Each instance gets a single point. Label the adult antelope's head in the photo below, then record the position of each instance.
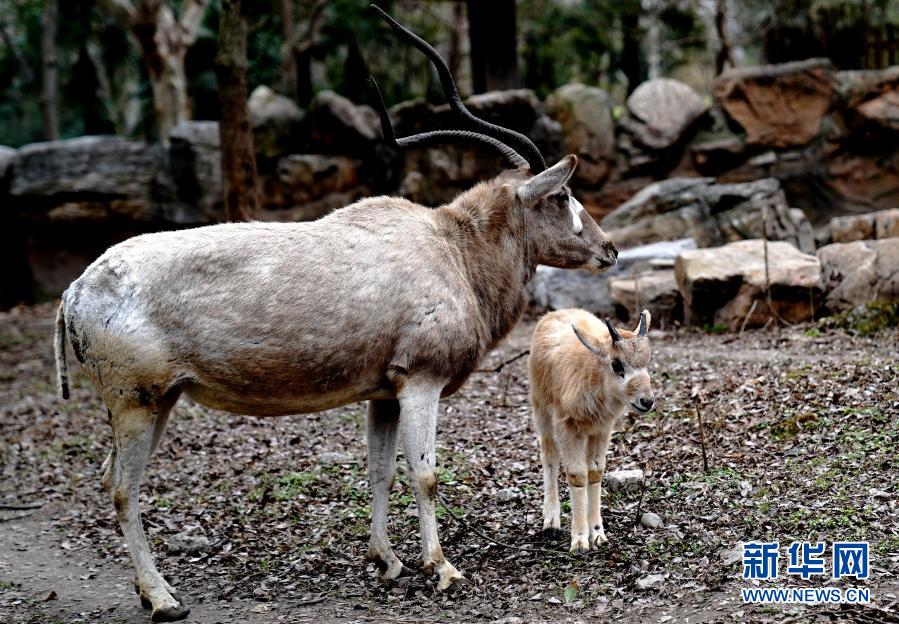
(563, 234)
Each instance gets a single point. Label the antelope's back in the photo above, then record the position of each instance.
(254, 307)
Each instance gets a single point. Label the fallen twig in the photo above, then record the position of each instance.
(640, 500)
(755, 302)
(502, 365)
(20, 506)
(705, 459)
(478, 532)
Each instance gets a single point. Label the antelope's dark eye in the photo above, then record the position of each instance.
(618, 368)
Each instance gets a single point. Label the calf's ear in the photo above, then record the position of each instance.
(547, 182)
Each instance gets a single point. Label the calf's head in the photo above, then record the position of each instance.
(626, 376)
(563, 233)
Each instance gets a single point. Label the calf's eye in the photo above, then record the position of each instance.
(618, 368)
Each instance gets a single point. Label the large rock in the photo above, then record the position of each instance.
(307, 186)
(660, 118)
(335, 125)
(436, 174)
(873, 225)
(196, 171)
(588, 130)
(518, 109)
(727, 285)
(662, 110)
(556, 289)
(712, 214)
(94, 176)
(862, 182)
(871, 98)
(860, 272)
(7, 154)
(778, 106)
(655, 290)
(275, 120)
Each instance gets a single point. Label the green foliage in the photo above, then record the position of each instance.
(568, 43)
(866, 320)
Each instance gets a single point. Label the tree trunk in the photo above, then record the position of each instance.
(723, 56)
(50, 94)
(164, 42)
(164, 50)
(288, 67)
(630, 47)
(302, 63)
(235, 132)
(494, 53)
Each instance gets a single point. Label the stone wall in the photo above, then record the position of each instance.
(812, 142)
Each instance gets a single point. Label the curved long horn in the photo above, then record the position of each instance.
(516, 140)
(612, 331)
(438, 136)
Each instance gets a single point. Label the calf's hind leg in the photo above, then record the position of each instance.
(136, 430)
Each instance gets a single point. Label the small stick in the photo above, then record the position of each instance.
(506, 389)
(771, 310)
(501, 366)
(705, 459)
(468, 527)
(755, 302)
(21, 506)
(642, 491)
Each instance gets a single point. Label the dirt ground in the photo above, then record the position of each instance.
(801, 433)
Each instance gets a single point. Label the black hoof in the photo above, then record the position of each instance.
(170, 614)
(145, 602)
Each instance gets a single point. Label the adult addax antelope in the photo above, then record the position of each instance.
(383, 301)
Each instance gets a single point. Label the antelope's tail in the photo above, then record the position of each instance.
(59, 344)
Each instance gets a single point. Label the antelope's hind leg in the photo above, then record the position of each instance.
(136, 431)
(418, 426)
(383, 423)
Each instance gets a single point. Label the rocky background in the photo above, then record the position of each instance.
(775, 197)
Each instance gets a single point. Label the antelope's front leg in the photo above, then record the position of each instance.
(383, 420)
(596, 457)
(575, 450)
(418, 427)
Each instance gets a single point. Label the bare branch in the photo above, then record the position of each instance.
(190, 20)
(304, 41)
(122, 11)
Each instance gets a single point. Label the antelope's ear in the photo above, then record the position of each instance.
(587, 342)
(548, 182)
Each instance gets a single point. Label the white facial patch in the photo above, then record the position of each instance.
(575, 207)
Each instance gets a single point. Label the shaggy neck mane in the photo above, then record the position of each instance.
(496, 254)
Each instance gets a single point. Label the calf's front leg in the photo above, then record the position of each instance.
(418, 428)
(574, 452)
(597, 446)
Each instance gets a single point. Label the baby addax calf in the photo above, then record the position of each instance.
(584, 374)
